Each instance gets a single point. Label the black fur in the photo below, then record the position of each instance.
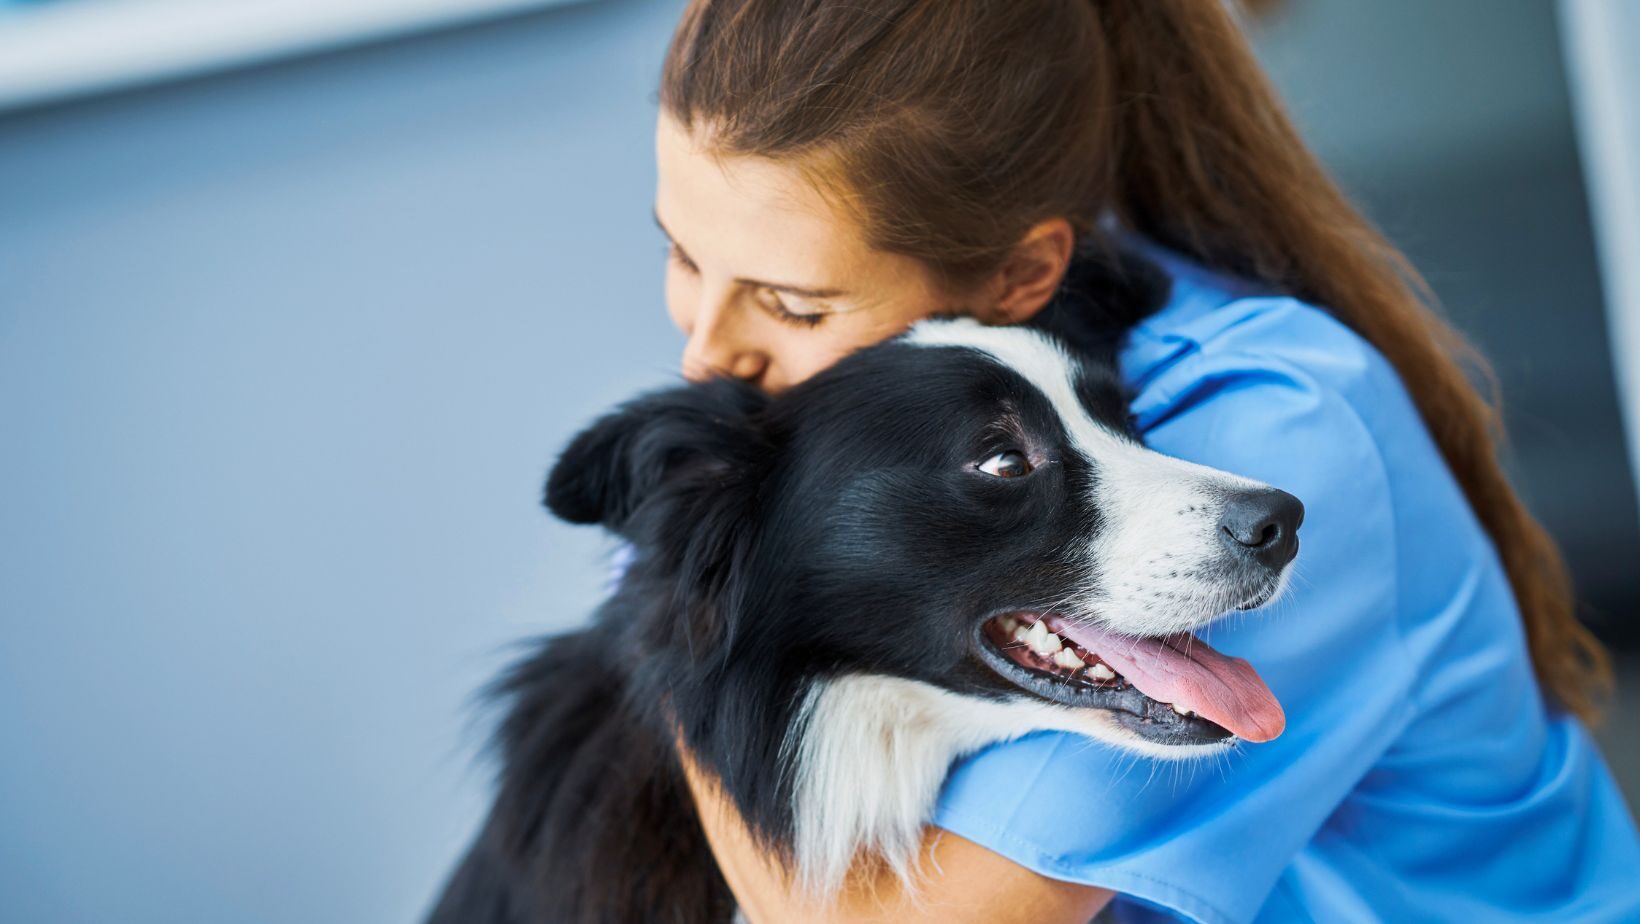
(778, 540)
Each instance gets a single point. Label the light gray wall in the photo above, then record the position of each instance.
(284, 356)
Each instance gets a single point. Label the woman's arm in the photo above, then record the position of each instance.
(959, 880)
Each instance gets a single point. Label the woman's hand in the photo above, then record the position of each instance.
(959, 882)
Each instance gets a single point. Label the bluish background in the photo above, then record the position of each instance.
(285, 354)
(284, 357)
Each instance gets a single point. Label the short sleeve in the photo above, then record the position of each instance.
(1209, 839)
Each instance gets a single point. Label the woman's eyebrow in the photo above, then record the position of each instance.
(775, 286)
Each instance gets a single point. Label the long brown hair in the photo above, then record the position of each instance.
(948, 128)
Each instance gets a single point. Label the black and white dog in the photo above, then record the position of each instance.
(945, 540)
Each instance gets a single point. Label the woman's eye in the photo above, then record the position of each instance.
(677, 256)
(771, 304)
(778, 308)
(1009, 464)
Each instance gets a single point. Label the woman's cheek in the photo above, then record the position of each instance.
(805, 356)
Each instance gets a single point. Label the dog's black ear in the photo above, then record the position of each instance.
(613, 466)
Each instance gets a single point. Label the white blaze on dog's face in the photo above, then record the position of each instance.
(1161, 560)
(1174, 546)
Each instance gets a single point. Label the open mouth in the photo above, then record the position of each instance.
(1171, 690)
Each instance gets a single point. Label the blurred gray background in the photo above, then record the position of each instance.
(285, 352)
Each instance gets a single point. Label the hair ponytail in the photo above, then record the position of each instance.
(949, 128)
(1211, 165)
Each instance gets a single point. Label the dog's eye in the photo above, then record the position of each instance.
(1009, 464)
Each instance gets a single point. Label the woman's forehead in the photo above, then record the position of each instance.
(754, 217)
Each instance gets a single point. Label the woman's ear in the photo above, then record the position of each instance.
(613, 466)
(1109, 288)
(1027, 280)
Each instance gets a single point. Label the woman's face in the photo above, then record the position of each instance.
(769, 283)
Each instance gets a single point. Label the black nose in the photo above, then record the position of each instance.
(1264, 525)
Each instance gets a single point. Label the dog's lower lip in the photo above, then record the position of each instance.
(1258, 599)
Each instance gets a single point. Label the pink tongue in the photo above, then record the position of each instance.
(1182, 670)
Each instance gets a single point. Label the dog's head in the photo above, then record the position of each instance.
(967, 506)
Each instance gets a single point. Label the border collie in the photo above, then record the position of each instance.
(945, 540)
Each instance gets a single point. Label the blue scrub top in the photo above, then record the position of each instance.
(1420, 777)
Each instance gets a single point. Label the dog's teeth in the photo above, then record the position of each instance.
(1181, 711)
(1021, 633)
(1067, 659)
(1041, 640)
(1102, 672)
(1036, 636)
(1009, 624)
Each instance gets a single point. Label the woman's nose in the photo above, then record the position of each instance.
(717, 347)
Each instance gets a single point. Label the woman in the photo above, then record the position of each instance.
(830, 172)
